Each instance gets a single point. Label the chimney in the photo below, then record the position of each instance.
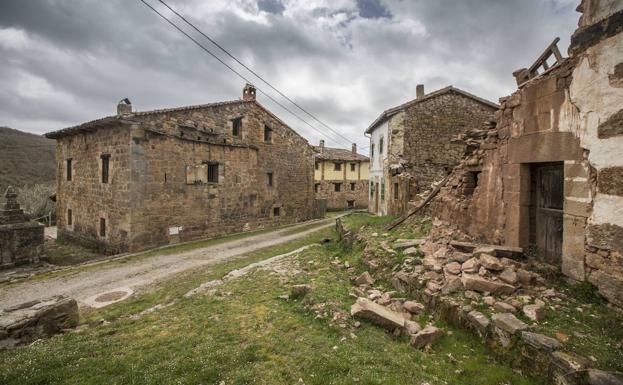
(248, 93)
(419, 90)
(321, 146)
(124, 107)
(354, 148)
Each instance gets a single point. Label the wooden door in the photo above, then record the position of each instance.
(549, 209)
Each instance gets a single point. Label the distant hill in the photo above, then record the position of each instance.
(25, 159)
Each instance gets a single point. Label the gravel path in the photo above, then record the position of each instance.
(83, 285)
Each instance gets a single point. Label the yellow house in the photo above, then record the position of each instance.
(341, 177)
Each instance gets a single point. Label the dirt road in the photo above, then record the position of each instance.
(137, 273)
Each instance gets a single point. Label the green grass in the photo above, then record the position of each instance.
(246, 335)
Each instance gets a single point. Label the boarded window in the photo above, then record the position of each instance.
(337, 187)
(268, 134)
(317, 187)
(353, 167)
(212, 172)
(102, 227)
(276, 211)
(70, 218)
(69, 169)
(269, 179)
(105, 167)
(337, 166)
(352, 186)
(396, 191)
(236, 127)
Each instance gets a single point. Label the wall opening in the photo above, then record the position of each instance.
(351, 204)
(102, 227)
(546, 210)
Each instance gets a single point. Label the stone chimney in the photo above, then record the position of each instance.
(354, 148)
(124, 107)
(11, 212)
(321, 146)
(248, 93)
(419, 90)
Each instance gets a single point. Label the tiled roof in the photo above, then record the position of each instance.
(392, 111)
(338, 154)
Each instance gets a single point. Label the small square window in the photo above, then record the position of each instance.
(236, 126)
(353, 186)
(269, 179)
(317, 188)
(102, 227)
(351, 204)
(69, 169)
(337, 187)
(276, 211)
(268, 134)
(70, 217)
(212, 172)
(353, 167)
(337, 166)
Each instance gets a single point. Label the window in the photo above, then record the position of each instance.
(372, 150)
(352, 186)
(317, 187)
(371, 189)
(337, 166)
(396, 191)
(102, 227)
(317, 165)
(381, 146)
(70, 218)
(351, 204)
(69, 169)
(269, 177)
(105, 167)
(276, 211)
(353, 167)
(212, 172)
(337, 187)
(268, 134)
(383, 191)
(236, 126)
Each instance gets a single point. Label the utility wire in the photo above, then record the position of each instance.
(254, 73)
(229, 67)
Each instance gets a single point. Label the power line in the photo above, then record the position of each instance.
(254, 73)
(230, 68)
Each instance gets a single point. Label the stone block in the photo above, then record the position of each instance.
(540, 341)
(426, 336)
(574, 229)
(606, 236)
(610, 181)
(479, 321)
(377, 314)
(480, 284)
(508, 322)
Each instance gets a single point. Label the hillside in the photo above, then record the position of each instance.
(25, 159)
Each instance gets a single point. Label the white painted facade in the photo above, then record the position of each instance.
(378, 163)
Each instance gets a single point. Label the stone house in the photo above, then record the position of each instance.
(549, 172)
(137, 180)
(341, 177)
(411, 145)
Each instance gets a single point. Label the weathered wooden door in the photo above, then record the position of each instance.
(549, 208)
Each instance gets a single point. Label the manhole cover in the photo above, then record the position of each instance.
(112, 296)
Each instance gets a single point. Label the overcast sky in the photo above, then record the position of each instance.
(63, 62)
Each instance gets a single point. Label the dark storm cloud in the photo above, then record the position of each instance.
(66, 61)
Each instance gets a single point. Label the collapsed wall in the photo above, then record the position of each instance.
(547, 175)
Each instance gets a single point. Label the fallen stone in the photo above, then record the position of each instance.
(431, 263)
(534, 312)
(488, 300)
(470, 266)
(364, 279)
(509, 276)
(413, 307)
(508, 322)
(484, 250)
(471, 295)
(600, 377)
(453, 268)
(402, 244)
(459, 257)
(568, 368)
(525, 277)
(377, 314)
(452, 285)
(499, 251)
(298, 291)
(540, 341)
(478, 320)
(411, 251)
(490, 262)
(480, 284)
(426, 336)
(504, 307)
(412, 327)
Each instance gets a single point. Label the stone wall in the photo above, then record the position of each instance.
(340, 200)
(21, 240)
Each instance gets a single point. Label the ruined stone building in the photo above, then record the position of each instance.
(142, 179)
(341, 177)
(547, 175)
(411, 145)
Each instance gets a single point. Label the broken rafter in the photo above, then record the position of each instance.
(523, 75)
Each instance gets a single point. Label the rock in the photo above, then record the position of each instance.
(540, 341)
(508, 322)
(411, 251)
(600, 377)
(504, 307)
(562, 337)
(431, 263)
(402, 244)
(377, 314)
(477, 283)
(568, 368)
(426, 336)
(516, 304)
(471, 295)
(509, 276)
(453, 268)
(412, 327)
(459, 257)
(433, 286)
(525, 277)
(488, 300)
(534, 312)
(413, 307)
(478, 321)
(490, 262)
(482, 250)
(483, 272)
(452, 284)
(364, 279)
(470, 266)
(298, 291)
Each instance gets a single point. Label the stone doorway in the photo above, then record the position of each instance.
(547, 197)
